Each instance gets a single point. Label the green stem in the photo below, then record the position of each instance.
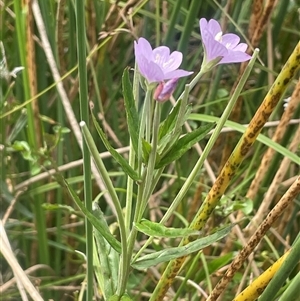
(145, 124)
(145, 187)
(152, 158)
(39, 213)
(84, 114)
(129, 193)
(148, 114)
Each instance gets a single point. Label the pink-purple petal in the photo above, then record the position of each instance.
(214, 27)
(214, 50)
(230, 40)
(204, 30)
(177, 74)
(161, 55)
(235, 57)
(153, 73)
(145, 48)
(241, 47)
(173, 62)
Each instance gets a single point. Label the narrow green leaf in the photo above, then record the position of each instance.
(146, 146)
(184, 144)
(107, 269)
(123, 163)
(98, 224)
(241, 128)
(168, 134)
(131, 110)
(55, 207)
(169, 123)
(149, 260)
(158, 230)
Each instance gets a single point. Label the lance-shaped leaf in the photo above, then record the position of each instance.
(123, 163)
(97, 223)
(171, 128)
(106, 259)
(131, 111)
(184, 144)
(158, 230)
(155, 258)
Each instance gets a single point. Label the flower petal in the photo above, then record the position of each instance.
(173, 62)
(151, 71)
(230, 40)
(203, 30)
(161, 55)
(144, 47)
(235, 57)
(177, 74)
(214, 27)
(215, 49)
(241, 47)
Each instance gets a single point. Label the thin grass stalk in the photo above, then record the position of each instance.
(171, 28)
(272, 217)
(31, 134)
(84, 114)
(189, 26)
(22, 51)
(236, 158)
(59, 50)
(157, 22)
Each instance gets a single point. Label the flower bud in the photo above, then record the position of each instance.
(164, 90)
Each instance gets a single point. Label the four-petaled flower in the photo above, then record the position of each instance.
(219, 48)
(158, 64)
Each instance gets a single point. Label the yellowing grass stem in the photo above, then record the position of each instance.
(253, 291)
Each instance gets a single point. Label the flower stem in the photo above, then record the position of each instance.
(152, 158)
(145, 124)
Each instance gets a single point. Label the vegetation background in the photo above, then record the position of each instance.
(45, 229)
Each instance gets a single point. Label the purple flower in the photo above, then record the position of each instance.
(158, 64)
(222, 49)
(164, 90)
